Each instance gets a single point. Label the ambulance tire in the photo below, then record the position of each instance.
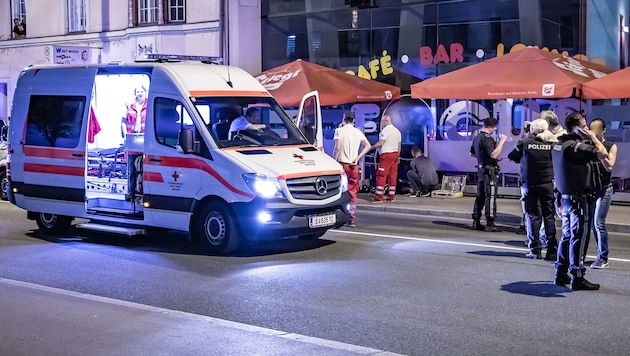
(4, 184)
(52, 224)
(216, 228)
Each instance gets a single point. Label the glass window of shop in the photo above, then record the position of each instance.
(419, 39)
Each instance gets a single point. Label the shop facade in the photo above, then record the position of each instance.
(404, 42)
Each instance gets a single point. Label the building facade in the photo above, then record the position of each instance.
(95, 31)
(421, 39)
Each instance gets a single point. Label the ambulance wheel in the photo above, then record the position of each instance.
(215, 227)
(52, 224)
(4, 185)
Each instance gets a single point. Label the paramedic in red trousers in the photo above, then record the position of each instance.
(348, 140)
(389, 142)
(487, 151)
(573, 159)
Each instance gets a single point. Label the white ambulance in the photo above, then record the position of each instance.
(183, 145)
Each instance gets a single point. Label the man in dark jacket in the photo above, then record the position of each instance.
(573, 159)
(534, 155)
(422, 175)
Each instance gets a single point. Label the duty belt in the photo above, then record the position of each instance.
(487, 166)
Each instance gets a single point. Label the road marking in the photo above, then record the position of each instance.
(330, 344)
(450, 242)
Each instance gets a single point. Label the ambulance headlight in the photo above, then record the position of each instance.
(344, 182)
(263, 186)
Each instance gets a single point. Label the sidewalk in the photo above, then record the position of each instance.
(39, 320)
(508, 209)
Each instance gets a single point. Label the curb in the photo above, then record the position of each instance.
(501, 218)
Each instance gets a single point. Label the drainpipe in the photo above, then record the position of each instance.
(224, 28)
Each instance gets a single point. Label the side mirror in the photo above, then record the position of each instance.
(186, 141)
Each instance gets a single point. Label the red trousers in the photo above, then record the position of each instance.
(352, 171)
(387, 172)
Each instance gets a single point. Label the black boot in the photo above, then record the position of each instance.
(491, 227)
(476, 225)
(580, 283)
(561, 279)
(552, 253)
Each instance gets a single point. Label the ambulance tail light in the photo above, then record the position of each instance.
(263, 186)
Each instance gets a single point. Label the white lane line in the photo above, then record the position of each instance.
(330, 344)
(450, 242)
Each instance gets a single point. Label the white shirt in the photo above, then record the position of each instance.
(240, 123)
(351, 139)
(392, 138)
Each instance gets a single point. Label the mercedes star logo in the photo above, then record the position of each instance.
(321, 186)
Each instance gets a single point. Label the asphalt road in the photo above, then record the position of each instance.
(400, 283)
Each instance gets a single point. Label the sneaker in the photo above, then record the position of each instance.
(535, 255)
(599, 264)
(352, 223)
(414, 194)
(426, 194)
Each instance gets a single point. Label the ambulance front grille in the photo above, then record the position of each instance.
(306, 188)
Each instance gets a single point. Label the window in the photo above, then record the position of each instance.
(278, 131)
(76, 15)
(147, 11)
(176, 11)
(19, 18)
(54, 121)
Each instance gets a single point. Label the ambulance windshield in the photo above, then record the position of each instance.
(247, 122)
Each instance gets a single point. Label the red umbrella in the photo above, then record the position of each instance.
(528, 73)
(614, 85)
(288, 83)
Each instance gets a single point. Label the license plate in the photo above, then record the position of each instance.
(322, 220)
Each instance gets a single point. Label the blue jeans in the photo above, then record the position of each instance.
(599, 222)
(575, 233)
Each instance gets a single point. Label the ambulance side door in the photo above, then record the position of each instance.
(49, 128)
(171, 178)
(309, 119)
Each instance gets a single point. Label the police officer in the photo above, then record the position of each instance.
(534, 155)
(486, 150)
(572, 159)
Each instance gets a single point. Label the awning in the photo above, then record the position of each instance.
(288, 83)
(528, 73)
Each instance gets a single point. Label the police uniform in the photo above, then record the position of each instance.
(572, 164)
(534, 156)
(487, 172)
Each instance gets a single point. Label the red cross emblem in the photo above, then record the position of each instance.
(295, 155)
(175, 176)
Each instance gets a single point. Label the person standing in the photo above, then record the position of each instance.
(487, 152)
(136, 111)
(348, 140)
(533, 153)
(604, 195)
(554, 124)
(421, 175)
(389, 145)
(573, 159)
(19, 29)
